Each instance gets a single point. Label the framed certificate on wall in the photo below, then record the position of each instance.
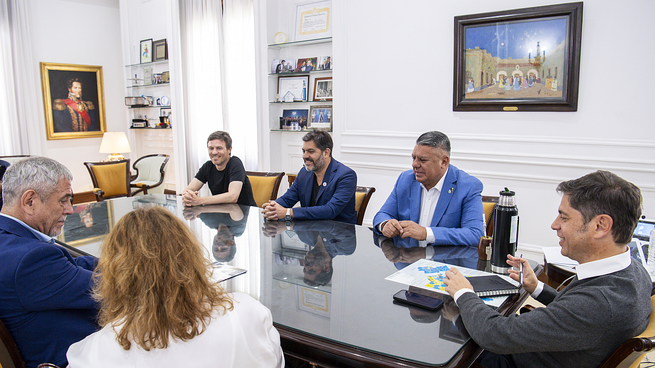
(313, 20)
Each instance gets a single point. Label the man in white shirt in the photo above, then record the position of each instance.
(435, 203)
(607, 303)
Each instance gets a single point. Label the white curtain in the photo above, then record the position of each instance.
(240, 87)
(218, 77)
(201, 44)
(18, 83)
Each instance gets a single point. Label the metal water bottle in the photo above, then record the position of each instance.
(505, 235)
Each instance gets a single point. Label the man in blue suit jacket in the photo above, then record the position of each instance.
(45, 300)
(435, 203)
(325, 187)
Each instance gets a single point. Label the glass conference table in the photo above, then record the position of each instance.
(323, 281)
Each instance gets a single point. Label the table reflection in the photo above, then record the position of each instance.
(228, 220)
(323, 281)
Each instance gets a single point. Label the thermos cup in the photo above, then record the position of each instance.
(505, 234)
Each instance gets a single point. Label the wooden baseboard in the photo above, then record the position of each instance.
(83, 197)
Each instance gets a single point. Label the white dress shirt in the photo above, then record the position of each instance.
(429, 199)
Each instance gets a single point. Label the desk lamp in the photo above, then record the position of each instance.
(113, 142)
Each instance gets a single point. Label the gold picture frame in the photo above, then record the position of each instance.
(73, 100)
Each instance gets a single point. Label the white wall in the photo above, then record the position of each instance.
(394, 80)
(83, 32)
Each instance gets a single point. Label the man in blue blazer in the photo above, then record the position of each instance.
(45, 299)
(324, 186)
(435, 203)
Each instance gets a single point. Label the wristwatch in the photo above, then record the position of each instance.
(288, 216)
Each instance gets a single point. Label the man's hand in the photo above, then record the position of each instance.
(190, 198)
(390, 250)
(391, 228)
(455, 281)
(530, 280)
(273, 211)
(413, 230)
(272, 228)
(411, 255)
(191, 213)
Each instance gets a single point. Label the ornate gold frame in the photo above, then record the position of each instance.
(90, 73)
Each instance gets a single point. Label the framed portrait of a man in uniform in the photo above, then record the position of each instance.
(73, 100)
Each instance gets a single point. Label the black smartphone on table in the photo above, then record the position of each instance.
(418, 300)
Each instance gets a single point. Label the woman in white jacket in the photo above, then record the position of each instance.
(159, 307)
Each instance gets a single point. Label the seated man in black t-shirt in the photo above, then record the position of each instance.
(225, 176)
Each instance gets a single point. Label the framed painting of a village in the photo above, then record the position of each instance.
(518, 60)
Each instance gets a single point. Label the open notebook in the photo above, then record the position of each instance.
(429, 275)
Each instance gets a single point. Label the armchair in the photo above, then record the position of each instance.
(110, 179)
(150, 174)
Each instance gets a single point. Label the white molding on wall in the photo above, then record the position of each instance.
(480, 174)
(482, 156)
(498, 138)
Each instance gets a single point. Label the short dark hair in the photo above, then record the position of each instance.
(224, 136)
(434, 139)
(605, 193)
(321, 139)
(70, 82)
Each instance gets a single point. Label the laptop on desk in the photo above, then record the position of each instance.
(640, 238)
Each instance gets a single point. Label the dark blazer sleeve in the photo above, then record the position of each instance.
(48, 278)
(292, 195)
(340, 191)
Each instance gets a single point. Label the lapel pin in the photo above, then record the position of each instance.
(451, 190)
(324, 184)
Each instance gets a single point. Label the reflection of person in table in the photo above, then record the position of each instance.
(72, 114)
(229, 220)
(326, 240)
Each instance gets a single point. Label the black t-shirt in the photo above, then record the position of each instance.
(219, 181)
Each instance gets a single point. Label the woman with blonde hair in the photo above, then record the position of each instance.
(159, 307)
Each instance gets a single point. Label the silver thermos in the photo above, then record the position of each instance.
(505, 235)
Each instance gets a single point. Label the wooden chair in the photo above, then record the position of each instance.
(150, 174)
(633, 351)
(362, 196)
(291, 178)
(10, 356)
(264, 185)
(110, 179)
(489, 204)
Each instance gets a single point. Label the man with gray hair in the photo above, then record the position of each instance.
(435, 203)
(45, 294)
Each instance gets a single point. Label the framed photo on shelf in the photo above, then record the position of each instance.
(146, 51)
(160, 48)
(313, 20)
(283, 66)
(320, 117)
(297, 86)
(324, 63)
(518, 60)
(294, 119)
(306, 65)
(322, 89)
(73, 100)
